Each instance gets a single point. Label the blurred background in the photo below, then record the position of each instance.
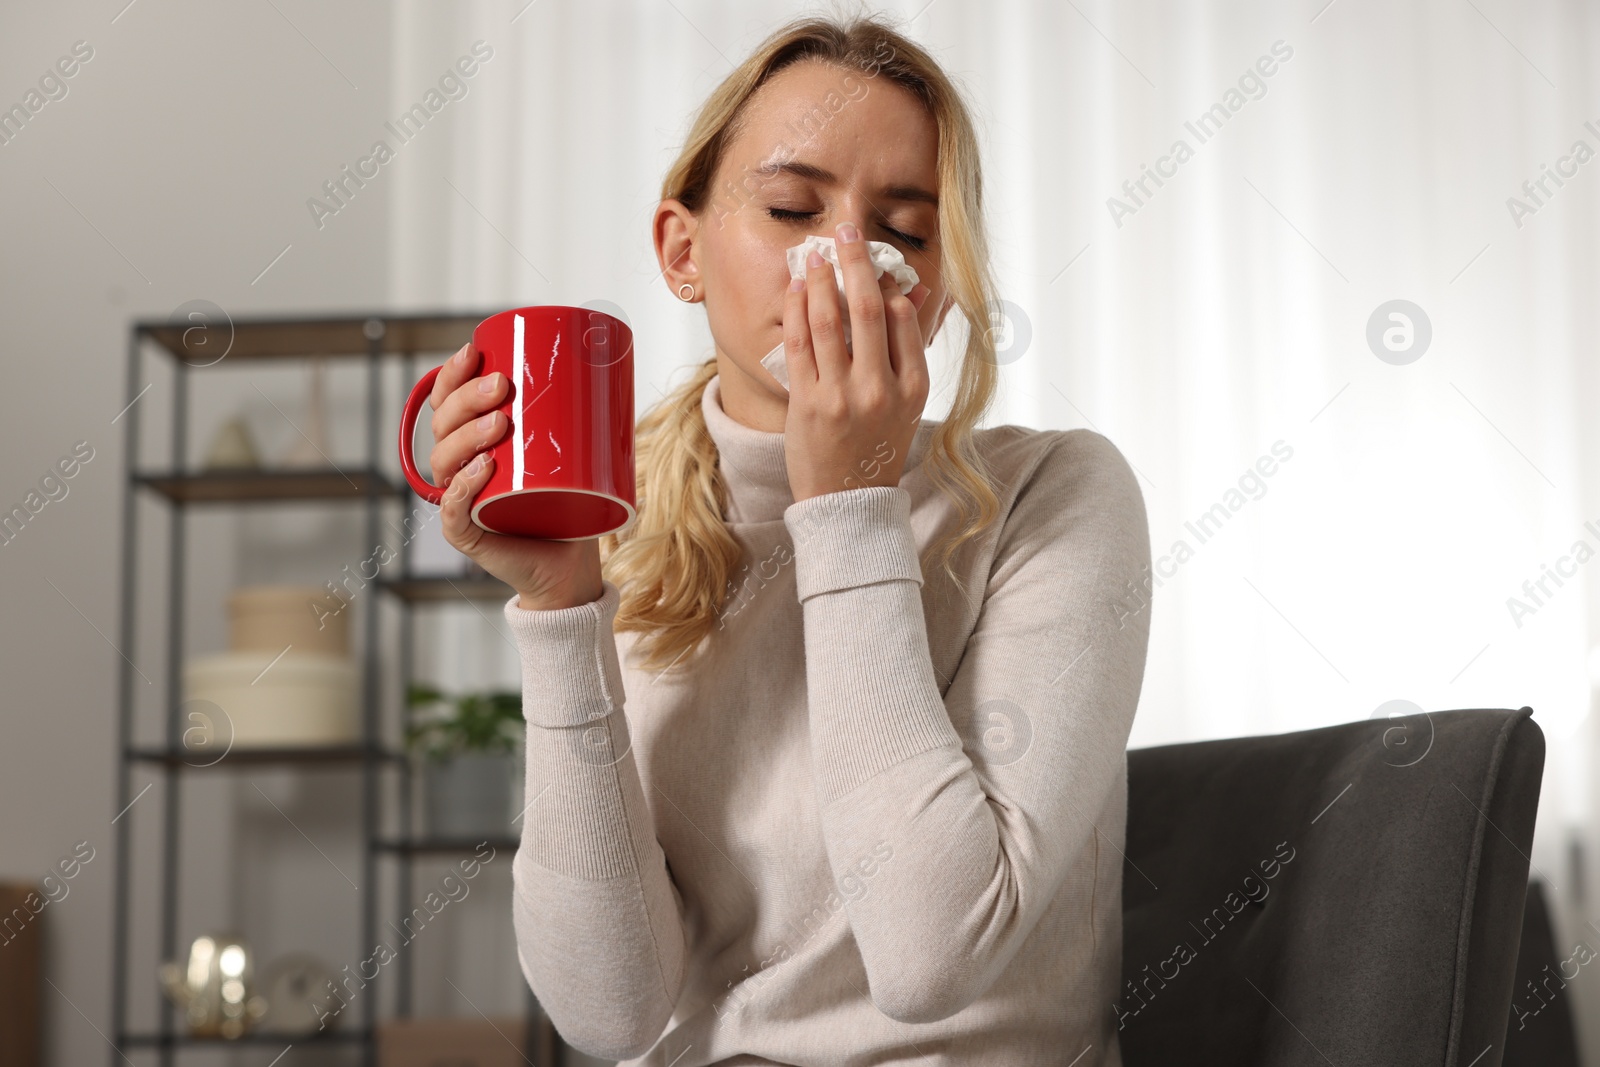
(1372, 260)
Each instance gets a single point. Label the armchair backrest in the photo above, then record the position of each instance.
(1346, 895)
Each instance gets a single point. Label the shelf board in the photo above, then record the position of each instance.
(261, 755)
(245, 486)
(443, 588)
(442, 845)
(254, 1037)
(294, 337)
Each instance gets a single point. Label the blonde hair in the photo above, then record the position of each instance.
(674, 566)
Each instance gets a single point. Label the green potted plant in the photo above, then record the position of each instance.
(468, 744)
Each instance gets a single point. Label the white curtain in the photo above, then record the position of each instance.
(1213, 319)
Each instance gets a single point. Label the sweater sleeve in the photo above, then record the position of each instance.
(973, 841)
(596, 913)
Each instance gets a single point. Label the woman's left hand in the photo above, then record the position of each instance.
(852, 414)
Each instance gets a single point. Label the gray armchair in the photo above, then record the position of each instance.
(1541, 1031)
(1351, 895)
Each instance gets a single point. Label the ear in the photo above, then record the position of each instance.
(674, 230)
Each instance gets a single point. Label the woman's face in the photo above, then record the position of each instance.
(820, 145)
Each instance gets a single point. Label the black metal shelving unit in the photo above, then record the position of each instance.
(373, 339)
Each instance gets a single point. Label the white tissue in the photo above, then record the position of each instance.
(885, 257)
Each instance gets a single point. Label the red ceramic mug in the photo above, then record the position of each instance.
(564, 471)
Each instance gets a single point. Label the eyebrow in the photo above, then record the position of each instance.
(910, 193)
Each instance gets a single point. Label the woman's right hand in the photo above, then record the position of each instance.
(547, 575)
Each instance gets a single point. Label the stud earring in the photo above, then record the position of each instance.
(684, 286)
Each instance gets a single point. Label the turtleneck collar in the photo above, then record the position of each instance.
(752, 461)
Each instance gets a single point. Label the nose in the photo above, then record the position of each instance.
(854, 218)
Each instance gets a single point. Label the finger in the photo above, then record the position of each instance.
(799, 359)
(888, 289)
(467, 402)
(453, 453)
(863, 299)
(823, 313)
(455, 508)
(908, 352)
(457, 369)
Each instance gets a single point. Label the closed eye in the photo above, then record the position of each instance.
(785, 215)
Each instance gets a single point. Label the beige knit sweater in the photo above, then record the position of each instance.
(881, 820)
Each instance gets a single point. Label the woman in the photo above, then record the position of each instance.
(800, 791)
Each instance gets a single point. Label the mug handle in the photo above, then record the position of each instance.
(408, 431)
